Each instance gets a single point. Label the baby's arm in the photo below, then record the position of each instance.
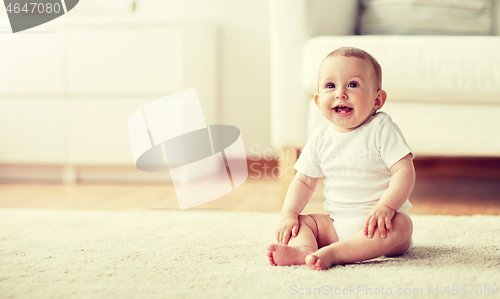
(297, 197)
(400, 187)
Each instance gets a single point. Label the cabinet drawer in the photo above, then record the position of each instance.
(31, 64)
(125, 61)
(99, 130)
(31, 131)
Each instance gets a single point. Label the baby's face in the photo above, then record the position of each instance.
(348, 94)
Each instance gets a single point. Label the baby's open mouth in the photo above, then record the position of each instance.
(344, 110)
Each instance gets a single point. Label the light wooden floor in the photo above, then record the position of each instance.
(447, 195)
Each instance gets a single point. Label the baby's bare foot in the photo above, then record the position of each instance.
(314, 263)
(322, 259)
(284, 255)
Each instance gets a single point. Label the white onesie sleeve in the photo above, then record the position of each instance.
(391, 143)
(309, 160)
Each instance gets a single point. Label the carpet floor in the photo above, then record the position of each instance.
(212, 254)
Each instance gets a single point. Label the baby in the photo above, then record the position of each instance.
(368, 170)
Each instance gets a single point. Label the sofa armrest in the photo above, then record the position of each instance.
(496, 16)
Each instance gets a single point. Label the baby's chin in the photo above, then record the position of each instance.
(355, 123)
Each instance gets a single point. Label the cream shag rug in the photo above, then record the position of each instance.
(208, 254)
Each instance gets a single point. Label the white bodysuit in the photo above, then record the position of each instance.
(356, 166)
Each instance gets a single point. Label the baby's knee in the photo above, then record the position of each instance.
(306, 219)
(309, 221)
(402, 224)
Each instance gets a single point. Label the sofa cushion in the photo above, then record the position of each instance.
(444, 17)
(453, 69)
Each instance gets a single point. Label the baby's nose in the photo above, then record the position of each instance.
(341, 95)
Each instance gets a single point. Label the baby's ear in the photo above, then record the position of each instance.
(316, 99)
(380, 100)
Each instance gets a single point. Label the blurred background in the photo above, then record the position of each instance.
(65, 96)
(68, 87)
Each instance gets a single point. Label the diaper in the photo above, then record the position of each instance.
(348, 227)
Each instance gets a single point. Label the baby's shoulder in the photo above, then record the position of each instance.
(322, 129)
(378, 121)
(381, 117)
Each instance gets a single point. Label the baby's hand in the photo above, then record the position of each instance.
(381, 216)
(288, 225)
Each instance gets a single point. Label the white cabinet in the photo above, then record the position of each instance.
(31, 64)
(129, 61)
(32, 131)
(99, 130)
(66, 95)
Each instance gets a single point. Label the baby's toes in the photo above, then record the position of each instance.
(271, 258)
(272, 247)
(319, 265)
(311, 261)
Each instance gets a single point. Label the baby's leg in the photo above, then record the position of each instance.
(315, 231)
(359, 247)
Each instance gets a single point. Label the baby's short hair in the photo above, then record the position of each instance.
(358, 53)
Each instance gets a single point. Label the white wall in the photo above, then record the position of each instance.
(244, 87)
(244, 56)
(244, 50)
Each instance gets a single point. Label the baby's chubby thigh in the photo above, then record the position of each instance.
(326, 232)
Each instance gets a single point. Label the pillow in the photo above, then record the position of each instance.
(426, 17)
(331, 17)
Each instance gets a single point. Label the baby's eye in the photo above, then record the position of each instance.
(353, 84)
(330, 85)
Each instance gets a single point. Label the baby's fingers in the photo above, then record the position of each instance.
(365, 226)
(295, 230)
(280, 234)
(286, 236)
(388, 224)
(381, 227)
(371, 226)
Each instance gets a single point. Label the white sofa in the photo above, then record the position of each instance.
(443, 91)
